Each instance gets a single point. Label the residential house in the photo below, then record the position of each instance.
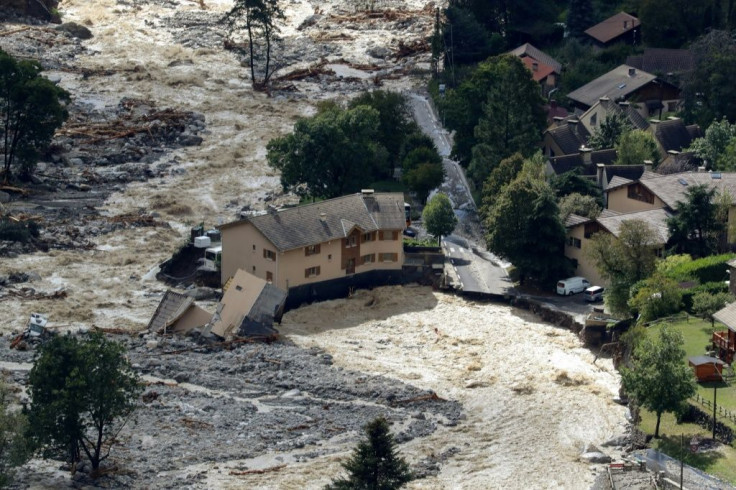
(673, 135)
(565, 137)
(580, 231)
(621, 27)
(669, 64)
(724, 342)
(544, 69)
(604, 108)
(177, 313)
(249, 307)
(337, 241)
(585, 159)
(626, 83)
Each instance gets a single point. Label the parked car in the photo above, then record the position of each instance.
(593, 293)
(572, 285)
(410, 232)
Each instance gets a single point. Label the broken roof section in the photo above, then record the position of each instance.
(248, 308)
(177, 313)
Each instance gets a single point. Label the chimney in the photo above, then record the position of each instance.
(585, 153)
(632, 72)
(558, 120)
(323, 217)
(367, 192)
(600, 169)
(673, 152)
(535, 66)
(623, 103)
(654, 121)
(648, 165)
(701, 169)
(604, 99)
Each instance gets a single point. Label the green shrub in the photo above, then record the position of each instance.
(707, 269)
(708, 287)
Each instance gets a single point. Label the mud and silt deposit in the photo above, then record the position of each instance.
(480, 396)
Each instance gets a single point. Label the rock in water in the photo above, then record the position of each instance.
(75, 30)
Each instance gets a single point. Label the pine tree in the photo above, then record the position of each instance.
(374, 465)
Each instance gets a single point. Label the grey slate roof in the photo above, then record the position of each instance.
(301, 226)
(171, 307)
(613, 27)
(727, 316)
(616, 84)
(566, 163)
(633, 116)
(672, 188)
(575, 220)
(672, 134)
(681, 162)
(527, 49)
(655, 218)
(663, 61)
(569, 137)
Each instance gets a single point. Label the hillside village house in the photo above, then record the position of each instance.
(619, 28)
(652, 198)
(327, 241)
(545, 70)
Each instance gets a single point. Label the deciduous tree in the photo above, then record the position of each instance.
(31, 110)
(500, 177)
(524, 227)
(438, 216)
(259, 19)
(624, 260)
(579, 17)
(609, 132)
(705, 304)
(82, 394)
(634, 147)
(579, 204)
(330, 154)
(374, 464)
(423, 171)
(658, 377)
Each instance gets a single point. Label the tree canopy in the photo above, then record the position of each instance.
(438, 216)
(624, 260)
(423, 171)
(706, 304)
(14, 449)
(31, 110)
(82, 393)
(609, 131)
(579, 204)
(579, 17)
(375, 463)
(524, 227)
(260, 21)
(635, 147)
(330, 154)
(713, 147)
(497, 108)
(658, 378)
(695, 228)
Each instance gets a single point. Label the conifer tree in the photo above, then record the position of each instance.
(374, 465)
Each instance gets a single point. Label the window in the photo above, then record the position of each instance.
(350, 241)
(388, 257)
(312, 250)
(573, 242)
(254, 269)
(311, 271)
(367, 237)
(639, 193)
(269, 276)
(594, 119)
(368, 259)
(388, 235)
(238, 287)
(329, 257)
(269, 255)
(254, 247)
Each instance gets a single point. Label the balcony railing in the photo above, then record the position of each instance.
(721, 340)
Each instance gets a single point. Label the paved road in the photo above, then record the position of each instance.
(473, 268)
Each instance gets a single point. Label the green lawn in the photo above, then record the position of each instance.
(697, 334)
(721, 463)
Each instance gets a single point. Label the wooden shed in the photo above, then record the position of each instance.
(707, 368)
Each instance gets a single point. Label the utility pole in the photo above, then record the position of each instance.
(715, 390)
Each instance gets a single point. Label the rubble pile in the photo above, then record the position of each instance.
(226, 406)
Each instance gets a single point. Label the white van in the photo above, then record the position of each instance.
(593, 293)
(572, 285)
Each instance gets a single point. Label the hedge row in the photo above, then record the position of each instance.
(707, 269)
